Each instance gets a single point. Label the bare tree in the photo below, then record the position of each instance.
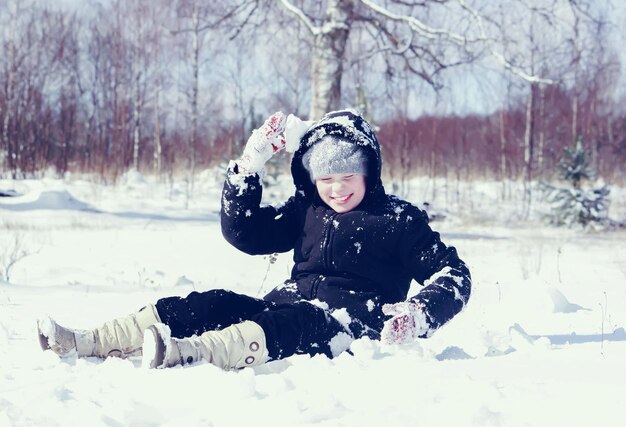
(28, 72)
(11, 68)
(66, 49)
(158, 84)
(423, 38)
(13, 252)
(139, 60)
(111, 80)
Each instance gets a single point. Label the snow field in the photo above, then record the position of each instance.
(541, 342)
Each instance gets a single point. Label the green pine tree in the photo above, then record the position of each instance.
(574, 167)
(576, 203)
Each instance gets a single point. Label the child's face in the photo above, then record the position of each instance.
(342, 192)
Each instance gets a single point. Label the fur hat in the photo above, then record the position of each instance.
(334, 155)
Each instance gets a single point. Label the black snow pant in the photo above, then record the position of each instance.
(290, 328)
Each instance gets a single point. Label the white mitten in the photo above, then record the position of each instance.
(263, 144)
(407, 323)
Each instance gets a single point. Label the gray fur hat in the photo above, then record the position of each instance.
(334, 155)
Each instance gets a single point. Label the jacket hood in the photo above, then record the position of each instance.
(347, 125)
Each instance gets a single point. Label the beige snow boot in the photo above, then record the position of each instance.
(120, 337)
(234, 347)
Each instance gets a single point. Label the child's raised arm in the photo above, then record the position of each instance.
(247, 225)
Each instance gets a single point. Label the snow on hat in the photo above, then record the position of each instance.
(345, 124)
(334, 155)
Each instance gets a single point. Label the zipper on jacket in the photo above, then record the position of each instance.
(327, 243)
(315, 286)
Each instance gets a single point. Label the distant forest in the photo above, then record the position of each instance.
(176, 87)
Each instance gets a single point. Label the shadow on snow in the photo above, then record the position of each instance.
(61, 200)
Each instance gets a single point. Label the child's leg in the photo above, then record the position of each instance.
(199, 312)
(302, 328)
(194, 314)
(275, 333)
(121, 337)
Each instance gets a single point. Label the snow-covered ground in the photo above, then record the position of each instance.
(541, 343)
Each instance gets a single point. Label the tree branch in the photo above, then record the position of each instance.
(416, 25)
(224, 17)
(301, 16)
(380, 35)
(245, 22)
(497, 55)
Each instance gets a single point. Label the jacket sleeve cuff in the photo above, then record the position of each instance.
(240, 179)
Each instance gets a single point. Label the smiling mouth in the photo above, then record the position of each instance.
(342, 199)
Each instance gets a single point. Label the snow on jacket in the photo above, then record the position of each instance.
(356, 260)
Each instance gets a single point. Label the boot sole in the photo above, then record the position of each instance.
(153, 349)
(43, 340)
(46, 330)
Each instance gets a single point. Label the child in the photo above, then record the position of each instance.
(355, 251)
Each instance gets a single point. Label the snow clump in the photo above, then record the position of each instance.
(295, 128)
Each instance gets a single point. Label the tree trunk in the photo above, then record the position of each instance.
(503, 176)
(157, 131)
(11, 154)
(574, 118)
(529, 148)
(136, 120)
(329, 47)
(433, 161)
(542, 129)
(194, 95)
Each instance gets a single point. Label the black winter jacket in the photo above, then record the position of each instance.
(356, 260)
